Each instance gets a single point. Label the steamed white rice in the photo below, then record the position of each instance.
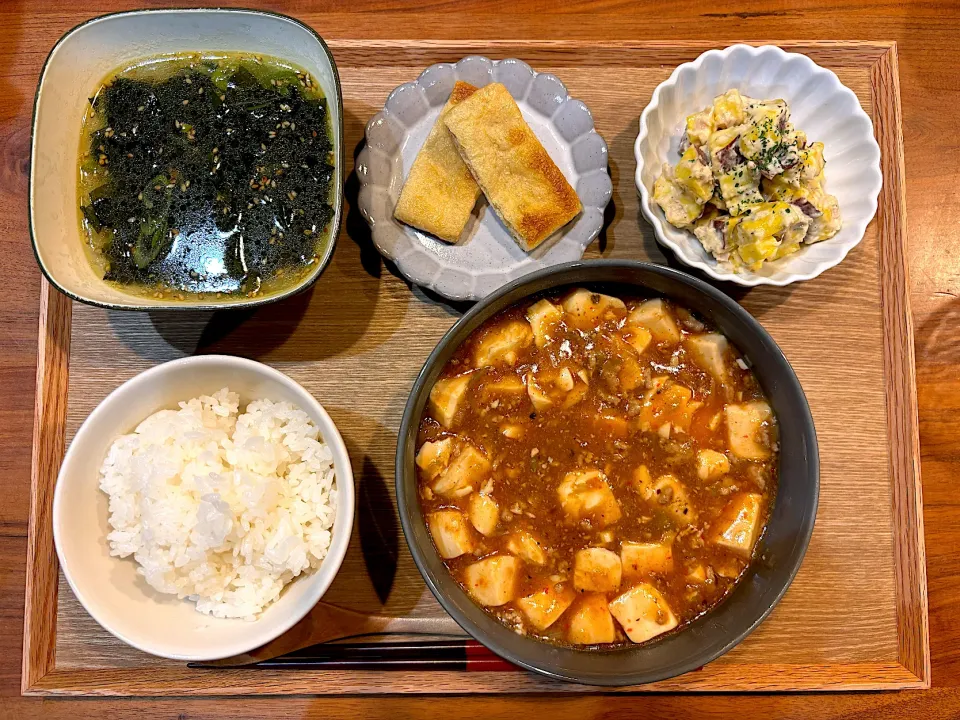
(220, 507)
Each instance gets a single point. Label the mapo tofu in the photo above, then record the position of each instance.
(597, 470)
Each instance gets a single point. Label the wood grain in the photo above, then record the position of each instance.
(53, 369)
(898, 357)
(928, 36)
(350, 341)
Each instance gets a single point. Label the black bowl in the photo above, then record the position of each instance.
(781, 548)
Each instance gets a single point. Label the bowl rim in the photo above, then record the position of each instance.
(652, 217)
(340, 533)
(405, 475)
(336, 222)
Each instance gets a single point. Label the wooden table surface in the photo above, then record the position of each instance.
(928, 34)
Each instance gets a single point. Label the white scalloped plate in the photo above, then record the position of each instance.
(820, 105)
(486, 257)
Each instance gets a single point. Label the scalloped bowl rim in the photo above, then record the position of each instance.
(526, 265)
(711, 269)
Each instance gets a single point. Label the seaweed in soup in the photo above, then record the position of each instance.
(214, 179)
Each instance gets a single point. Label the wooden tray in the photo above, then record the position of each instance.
(854, 619)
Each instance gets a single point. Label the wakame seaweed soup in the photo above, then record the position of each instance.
(206, 175)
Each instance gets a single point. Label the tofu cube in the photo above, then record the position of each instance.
(747, 430)
(643, 613)
(527, 548)
(655, 316)
(697, 575)
(543, 317)
(645, 558)
(708, 352)
(591, 622)
(630, 374)
(643, 483)
(434, 457)
(493, 581)
(562, 389)
(738, 525)
(451, 533)
(514, 432)
(446, 396)
(484, 513)
(501, 345)
(540, 399)
(587, 495)
(668, 404)
(507, 385)
(711, 464)
(608, 424)
(596, 570)
(637, 337)
(666, 492)
(586, 310)
(464, 475)
(545, 606)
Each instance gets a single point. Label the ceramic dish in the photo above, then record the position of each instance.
(780, 550)
(820, 105)
(110, 588)
(486, 257)
(75, 66)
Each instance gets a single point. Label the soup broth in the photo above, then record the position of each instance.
(206, 175)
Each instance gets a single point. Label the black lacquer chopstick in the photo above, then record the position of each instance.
(458, 655)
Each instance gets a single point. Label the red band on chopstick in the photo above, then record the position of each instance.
(480, 659)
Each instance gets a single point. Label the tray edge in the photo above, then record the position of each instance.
(40, 676)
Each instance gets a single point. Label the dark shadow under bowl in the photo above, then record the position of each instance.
(781, 548)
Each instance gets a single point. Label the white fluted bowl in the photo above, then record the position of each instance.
(820, 105)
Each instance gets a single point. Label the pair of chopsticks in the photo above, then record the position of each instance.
(459, 655)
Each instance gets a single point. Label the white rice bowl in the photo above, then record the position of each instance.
(219, 507)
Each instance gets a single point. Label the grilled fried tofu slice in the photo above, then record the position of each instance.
(544, 606)
(590, 621)
(643, 613)
(446, 396)
(738, 525)
(451, 533)
(640, 559)
(596, 570)
(587, 495)
(501, 345)
(493, 581)
(439, 193)
(521, 181)
(748, 434)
